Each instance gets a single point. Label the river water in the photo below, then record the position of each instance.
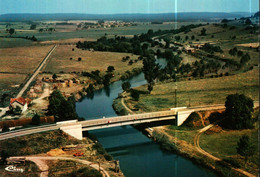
(139, 156)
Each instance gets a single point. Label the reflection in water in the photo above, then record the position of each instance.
(107, 91)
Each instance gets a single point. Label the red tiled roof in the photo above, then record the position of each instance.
(20, 100)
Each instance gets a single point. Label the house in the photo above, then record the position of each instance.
(19, 102)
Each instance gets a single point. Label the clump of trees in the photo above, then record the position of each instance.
(238, 113)
(61, 108)
(4, 157)
(211, 48)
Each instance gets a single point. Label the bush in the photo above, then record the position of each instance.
(36, 119)
(126, 86)
(135, 94)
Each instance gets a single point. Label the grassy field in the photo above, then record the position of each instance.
(60, 61)
(14, 42)
(22, 59)
(224, 145)
(8, 81)
(199, 92)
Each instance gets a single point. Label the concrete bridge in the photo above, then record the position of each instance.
(75, 128)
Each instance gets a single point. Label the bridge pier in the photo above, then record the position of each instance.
(73, 130)
(182, 116)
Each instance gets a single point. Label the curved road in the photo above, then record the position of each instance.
(197, 145)
(40, 162)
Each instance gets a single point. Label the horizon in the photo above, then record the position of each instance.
(32, 13)
(101, 7)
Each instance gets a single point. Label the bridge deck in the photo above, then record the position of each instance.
(129, 119)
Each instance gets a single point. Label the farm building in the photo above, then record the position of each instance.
(19, 102)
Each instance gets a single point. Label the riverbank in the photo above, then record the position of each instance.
(180, 140)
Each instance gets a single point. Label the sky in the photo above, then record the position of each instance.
(126, 6)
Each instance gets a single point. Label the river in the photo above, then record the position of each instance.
(139, 156)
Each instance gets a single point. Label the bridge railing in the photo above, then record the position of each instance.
(128, 118)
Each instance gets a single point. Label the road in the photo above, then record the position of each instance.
(40, 161)
(36, 72)
(28, 131)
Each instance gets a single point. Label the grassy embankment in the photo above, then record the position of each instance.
(70, 169)
(196, 92)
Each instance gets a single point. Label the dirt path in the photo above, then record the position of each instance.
(197, 146)
(40, 161)
(123, 103)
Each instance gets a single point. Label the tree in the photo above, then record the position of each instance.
(203, 32)
(5, 128)
(177, 38)
(4, 157)
(238, 112)
(135, 94)
(245, 58)
(34, 38)
(11, 31)
(17, 110)
(79, 59)
(33, 27)
(232, 52)
(224, 21)
(110, 68)
(54, 76)
(245, 147)
(150, 69)
(126, 86)
(36, 120)
(192, 37)
(240, 53)
(248, 22)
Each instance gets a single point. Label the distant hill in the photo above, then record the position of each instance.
(204, 16)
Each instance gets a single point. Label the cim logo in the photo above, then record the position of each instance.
(12, 168)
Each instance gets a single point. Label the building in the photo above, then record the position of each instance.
(19, 102)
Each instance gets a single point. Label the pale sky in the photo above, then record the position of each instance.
(126, 6)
